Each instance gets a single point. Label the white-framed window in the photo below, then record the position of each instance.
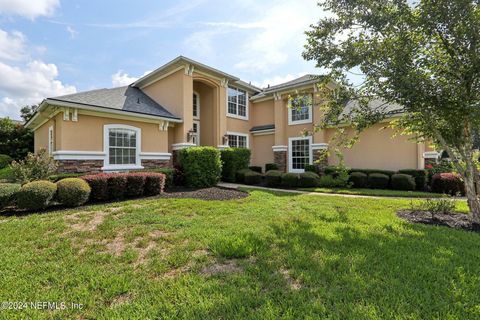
(237, 140)
(196, 105)
(300, 110)
(299, 153)
(196, 132)
(237, 103)
(51, 140)
(122, 147)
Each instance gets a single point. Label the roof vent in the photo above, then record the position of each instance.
(138, 100)
(268, 86)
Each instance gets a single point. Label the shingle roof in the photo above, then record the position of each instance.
(263, 127)
(298, 81)
(128, 99)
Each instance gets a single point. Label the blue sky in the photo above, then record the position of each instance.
(54, 47)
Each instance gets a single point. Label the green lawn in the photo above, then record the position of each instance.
(376, 192)
(268, 256)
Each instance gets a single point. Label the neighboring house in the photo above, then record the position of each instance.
(185, 103)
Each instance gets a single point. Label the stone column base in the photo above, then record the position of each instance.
(280, 157)
(319, 153)
(155, 164)
(79, 166)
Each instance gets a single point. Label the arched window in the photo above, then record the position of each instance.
(122, 147)
(196, 105)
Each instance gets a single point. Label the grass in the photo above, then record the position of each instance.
(271, 255)
(376, 192)
(6, 173)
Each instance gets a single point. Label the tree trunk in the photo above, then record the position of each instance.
(471, 192)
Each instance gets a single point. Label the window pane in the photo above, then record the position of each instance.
(300, 153)
(301, 108)
(195, 105)
(122, 146)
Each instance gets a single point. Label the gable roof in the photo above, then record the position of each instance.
(306, 79)
(128, 99)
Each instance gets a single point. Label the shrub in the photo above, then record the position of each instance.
(448, 183)
(201, 165)
(331, 170)
(34, 167)
(271, 166)
(72, 192)
(437, 206)
(7, 193)
(389, 173)
(401, 181)
(253, 177)
(178, 176)
(420, 177)
(117, 184)
(5, 160)
(358, 179)
(36, 195)
(308, 180)
(378, 180)
(241, 175)
(60, 176)
(328, 181)
(233, 159)
(169, 175)
(311, 168)
(256, 169)
(135, 185)
(290, 180)
(273, 178)
(99, 186)
(154, 183)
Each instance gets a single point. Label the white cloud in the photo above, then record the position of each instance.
(277, 80)
(120, 78)
(28, 8)
(24, 80)
(72, 32)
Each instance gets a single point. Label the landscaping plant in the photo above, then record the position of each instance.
(271, 166)
(36, 195)
(34, 167)
(234, 159)
(308, 180)
(448, 183)
(273, 178)
(7, 193)
(73, 192)
(201, 166)
(378, 181)
(402, 181)
(252, 177)
(358, 179)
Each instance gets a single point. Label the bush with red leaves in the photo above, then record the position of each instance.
(448, 183)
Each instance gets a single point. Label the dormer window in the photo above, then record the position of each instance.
(237, 103)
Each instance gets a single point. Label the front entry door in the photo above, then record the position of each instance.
(196, 132)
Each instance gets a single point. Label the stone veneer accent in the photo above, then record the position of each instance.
(280, 159)
(155, 163)
(79, 166)
(319, 158)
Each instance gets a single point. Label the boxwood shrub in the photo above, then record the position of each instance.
(73, 192)
(60, 176)
(154, 183)
(271, 166)
(389, 173)
(36, 195)
(273, 178)
(290, 180)
(401, 181)
(378, 181)
(420, 176)
(358, 179)
(201, 166)
(256, 169)
(7, 193)
(233, 159)
(311, 168)
(253, 177)
(169, 175)
(448, 183)
(308, 180)
(241, 175)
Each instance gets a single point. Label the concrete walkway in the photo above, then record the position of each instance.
(236, 186)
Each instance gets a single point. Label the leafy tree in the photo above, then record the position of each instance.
(15, 140)
(27, 112)
(422, 56)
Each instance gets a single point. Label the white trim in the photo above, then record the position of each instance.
(310, 153)
(431, 155)
(106, 145)
(197, 117)
(197, 122)
(51, 140)
(279, 148)
(236, 116)
(246, 135)
(182, 145)
(309, 120)
(319, 146)
(78, 155)
(223, 146)
(155, 155)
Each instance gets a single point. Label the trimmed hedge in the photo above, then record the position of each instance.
(448, 183)
(308, 180)
(7, 193)
(256, 169)
(61, 176)
(401, 181)
(169, 175)
(154, 183)
(202, 166)
(241, 175)
(273, 178)
(389, 173)
(73, 192)
(271, 166)
(358, 179)
(331, 170)
(311, 168)
(135, 185)
(420, 176)
(253, 177)
(117, 186)
(5, 160)
(233, 159)
(99, 186)
(290, 180)
(36, 195)
(378, 180)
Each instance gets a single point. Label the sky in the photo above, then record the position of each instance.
(55, 47)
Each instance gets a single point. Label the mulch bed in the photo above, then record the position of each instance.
(456, 220)
(214, 193)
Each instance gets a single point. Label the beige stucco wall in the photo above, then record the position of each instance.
(261, 148)
(261, 113)
(207, 113)
(86, 134)
(376, 149)
(41, 134)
